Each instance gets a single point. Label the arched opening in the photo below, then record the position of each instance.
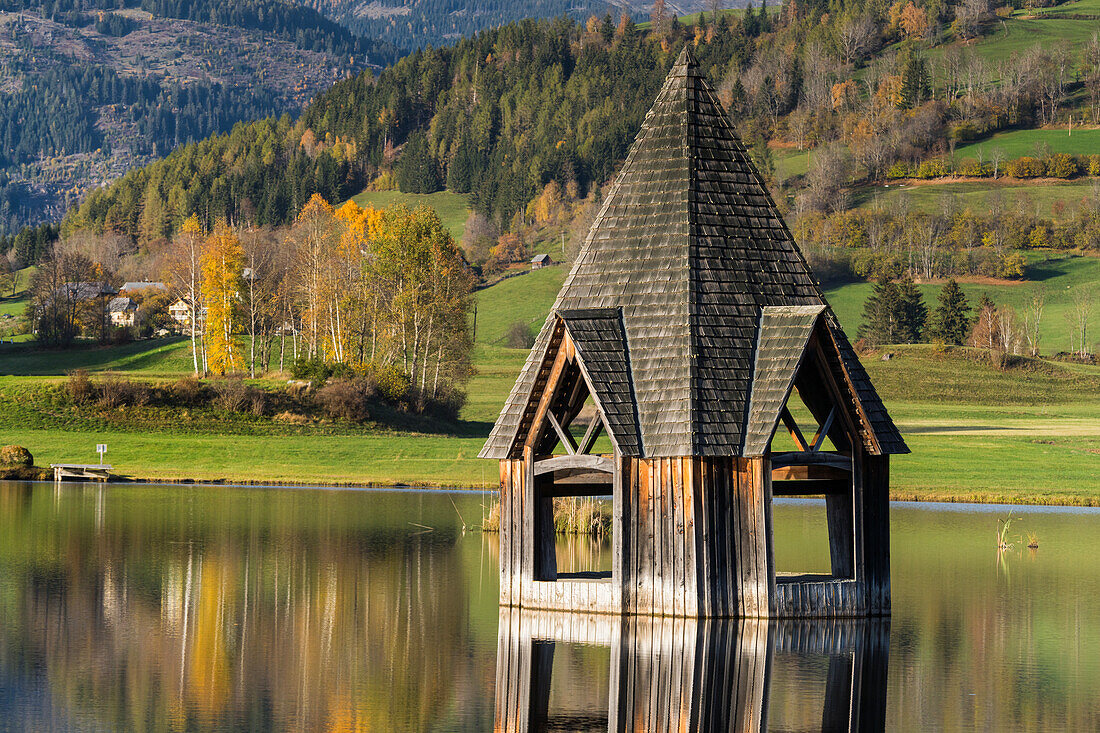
(811, 454)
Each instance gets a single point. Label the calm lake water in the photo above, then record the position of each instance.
(214, 609)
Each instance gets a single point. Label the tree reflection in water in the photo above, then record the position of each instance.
(236, 620)
(688, 674)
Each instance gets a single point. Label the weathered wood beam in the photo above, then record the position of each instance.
(837, 395)
(869, 435)
(807, 472)
(557, 463)
(792, 426)
(569, 489)
(553, 381)
(590, 435)
(575, 402)
(811, 487)
(823, 430)
(566, 438)
(820, 458)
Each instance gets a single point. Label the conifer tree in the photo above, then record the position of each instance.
(915, 82)
(912, 312)
(951, 319)
(417, 171)
(880, 315)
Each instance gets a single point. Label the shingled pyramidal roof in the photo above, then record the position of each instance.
(690, 248)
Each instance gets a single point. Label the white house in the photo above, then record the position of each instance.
(121, 311)
(180, 311)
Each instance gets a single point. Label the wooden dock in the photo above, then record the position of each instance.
(81, 471)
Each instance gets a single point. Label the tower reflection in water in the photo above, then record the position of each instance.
(687, 674)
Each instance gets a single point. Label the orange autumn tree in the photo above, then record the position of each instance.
(222, 263)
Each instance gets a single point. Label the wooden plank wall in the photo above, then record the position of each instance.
(733, 560)
(821, 599)
(512, 479)
(695, 538)
(692, 538)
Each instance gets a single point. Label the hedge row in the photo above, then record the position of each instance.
(1058, 165)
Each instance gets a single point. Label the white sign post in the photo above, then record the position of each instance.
(101, 448)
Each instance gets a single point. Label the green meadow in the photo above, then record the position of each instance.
(453, 208)
(1036, 143)
(1050, 200)
(1056, 278)
(1025, 29)
(790, 162)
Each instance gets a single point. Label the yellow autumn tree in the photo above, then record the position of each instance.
(222, 263)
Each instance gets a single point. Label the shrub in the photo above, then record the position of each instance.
(971, 167)
(346, 399)
(319, 371)
(115, 392)
(899, 170)
(877, 265)
(392, 383)
(232, 394)
(519, 336)
(1013, 266)
(445, 405)
(79, 387)
(1025, 167)
(933, 168)
(15, 455)
(1062, 165)
(1094, 165)
(964, 131)
(188, 391)
(258, 402)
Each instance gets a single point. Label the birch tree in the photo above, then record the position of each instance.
(185, 273)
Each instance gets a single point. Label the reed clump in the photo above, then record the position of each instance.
(490, 521)
(1003, 540)
(572, 515)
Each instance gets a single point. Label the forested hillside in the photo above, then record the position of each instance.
(90, 89)
(412, 24)
(498, 115)
(855, 114)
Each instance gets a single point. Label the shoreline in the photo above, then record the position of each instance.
(937, 496)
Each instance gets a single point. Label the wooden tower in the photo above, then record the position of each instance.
(688, 330)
